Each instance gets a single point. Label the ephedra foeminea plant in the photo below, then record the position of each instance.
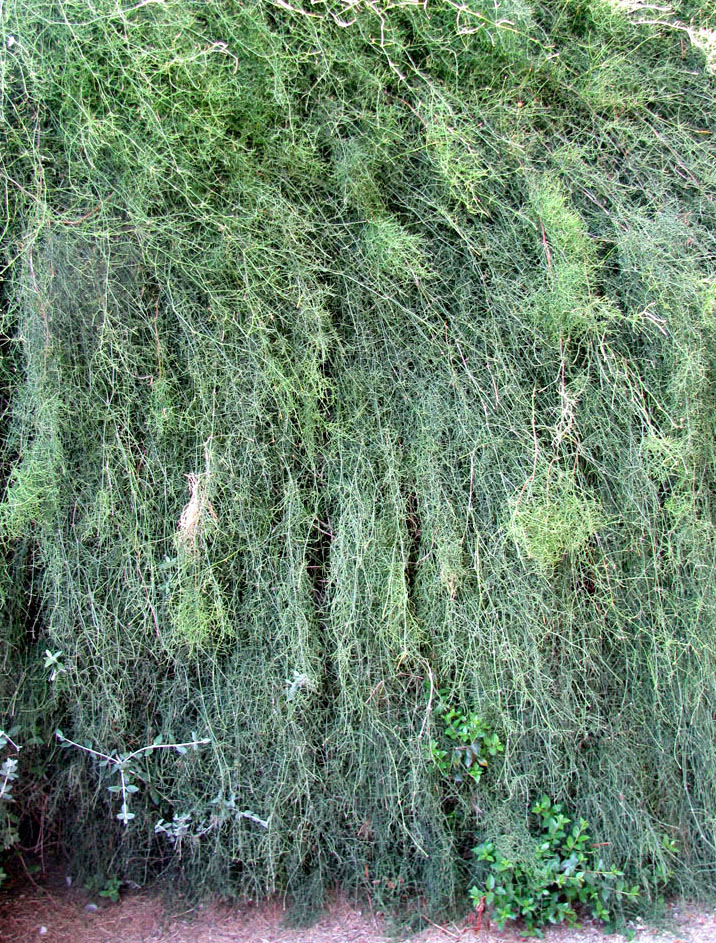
(435, 284)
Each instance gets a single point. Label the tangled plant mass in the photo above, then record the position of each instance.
(418, 298)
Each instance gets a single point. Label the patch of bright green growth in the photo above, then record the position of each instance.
(31, 497)
(459, 160)
(552, 518)
(392, 251)
(567, 307)
(356, 166)
(197, 615)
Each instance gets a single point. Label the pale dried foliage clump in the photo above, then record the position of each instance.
(192, 520)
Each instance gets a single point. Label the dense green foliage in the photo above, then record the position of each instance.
(563, 875)
(353, 351)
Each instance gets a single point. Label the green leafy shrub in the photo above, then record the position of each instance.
(465, 746)
(564, 876)
(108, 887)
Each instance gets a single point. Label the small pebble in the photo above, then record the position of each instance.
(42, 931)
(91, 908)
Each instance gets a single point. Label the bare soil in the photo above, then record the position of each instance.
(69, 915)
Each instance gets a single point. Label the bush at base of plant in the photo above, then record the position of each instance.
(564, 876)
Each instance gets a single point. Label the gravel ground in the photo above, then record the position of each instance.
(65, 915)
